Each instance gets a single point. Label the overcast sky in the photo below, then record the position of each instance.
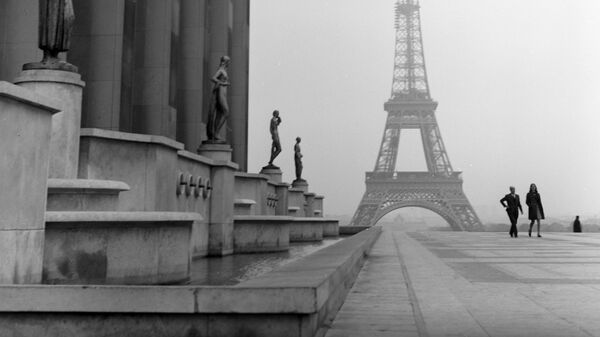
(517, 82)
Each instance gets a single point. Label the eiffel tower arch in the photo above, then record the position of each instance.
(439, 189)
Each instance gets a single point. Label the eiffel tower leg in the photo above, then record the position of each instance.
(365, 213)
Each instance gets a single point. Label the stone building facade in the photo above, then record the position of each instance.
(146, 63)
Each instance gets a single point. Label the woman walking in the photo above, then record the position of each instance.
(536, 210)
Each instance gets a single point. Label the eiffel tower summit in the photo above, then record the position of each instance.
(410, 106)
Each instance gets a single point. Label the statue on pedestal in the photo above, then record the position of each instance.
(276, 145)
(219, 108)
(298, 159)
(56, 18)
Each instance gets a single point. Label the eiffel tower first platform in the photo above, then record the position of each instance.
(411, 107)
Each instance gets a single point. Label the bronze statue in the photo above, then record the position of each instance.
(219, 108)
(276, 145)
(298, 159)
(55, 28)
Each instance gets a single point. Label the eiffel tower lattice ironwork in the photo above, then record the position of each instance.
(439, 189)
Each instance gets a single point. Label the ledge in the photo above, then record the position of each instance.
(88, 185)
(301, 287)
(263, 218)
(131, 137)
(23, 95)
(251, 175)
(278, 184)
(246, 202)
(129, 217)
(314, 219)
(195, 157)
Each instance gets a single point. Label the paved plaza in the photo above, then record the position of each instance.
(475, 284)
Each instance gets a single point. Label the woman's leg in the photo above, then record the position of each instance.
(538, 223)
(531, 226)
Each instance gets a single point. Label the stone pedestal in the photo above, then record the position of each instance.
(220, 152)
(220, 230)
(281, 189)
(24, 153)
(66, 87)
(273, 172)
(309, 206)
(300, 184)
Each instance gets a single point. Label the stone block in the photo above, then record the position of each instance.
(84, 194)
(331, 227)
(296, 202)
(67, 88)
(118, 248)
(22, 252)
(305, 229)
(199, 239)
(253, 234)
(24, 151)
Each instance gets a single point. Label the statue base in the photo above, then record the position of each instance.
(273, 172)
(67, 88)
(215, 151)
(300, 184)
(57, 65)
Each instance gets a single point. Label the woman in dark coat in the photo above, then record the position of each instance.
(536, 210)
(577, 225)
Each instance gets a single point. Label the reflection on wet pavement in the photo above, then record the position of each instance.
(237, 268)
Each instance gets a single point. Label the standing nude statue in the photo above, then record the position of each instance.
(298, 159)
(56, 18)
(276, 145)
(219, 108)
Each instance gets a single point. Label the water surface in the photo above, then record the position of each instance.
(233, 269)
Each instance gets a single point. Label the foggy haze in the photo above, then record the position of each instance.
(517, 84)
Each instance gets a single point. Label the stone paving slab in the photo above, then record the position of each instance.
(379, 303)
(475, 284)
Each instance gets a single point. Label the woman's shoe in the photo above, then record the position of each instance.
(529, 233)
(539, 236)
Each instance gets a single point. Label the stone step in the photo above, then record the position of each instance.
(77, 195)
(303, 229)
(118, 247)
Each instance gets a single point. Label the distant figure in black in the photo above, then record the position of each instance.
(576, 225)
(512, 203)
(536, 210)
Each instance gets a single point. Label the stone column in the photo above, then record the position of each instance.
(24, 151)
(152, 113)
(239, 82)
(191, 75)
(67, 88)
(220, 232)
(97, 49)
(18, 36)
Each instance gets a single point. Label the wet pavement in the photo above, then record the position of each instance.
(475, 284)
(237, 268)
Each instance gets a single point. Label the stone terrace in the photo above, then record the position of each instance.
(475, 284)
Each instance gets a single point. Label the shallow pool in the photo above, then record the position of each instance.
(233, 269)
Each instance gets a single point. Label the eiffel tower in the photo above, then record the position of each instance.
(439, 189)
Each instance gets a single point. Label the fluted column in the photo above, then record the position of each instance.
(152, 113)
(97, 49)
(239, 82)
(191, 75)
